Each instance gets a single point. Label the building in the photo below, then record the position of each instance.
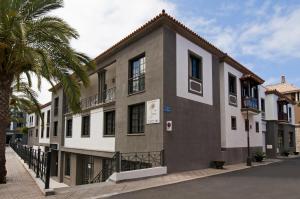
(279, 116)
(14, 130)
(293, 93)
(161, 90)
(39, 128)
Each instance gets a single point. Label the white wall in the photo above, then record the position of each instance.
(271, 107)
(95, 141)
(44, 140)
(236, 138)
(182, 47)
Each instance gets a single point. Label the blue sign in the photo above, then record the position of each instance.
(167, 109)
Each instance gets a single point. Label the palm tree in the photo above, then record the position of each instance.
(35, 44)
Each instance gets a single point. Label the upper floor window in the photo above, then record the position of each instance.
(56, 103)
(47, 132)
(55, 124)
(233, 123)
(37, 120)
(43, 116)
(232, 84)
(48, 117)
(290, 113)
(109, 123)
(85, 126)
(36, 133)
(69, 128)
(195, 74)
(262, 104)
(136, 118)
(257, 127)
(136, 78)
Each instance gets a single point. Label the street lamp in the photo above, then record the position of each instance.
(248, 137)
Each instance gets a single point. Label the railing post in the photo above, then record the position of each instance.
(118, 162)
(30, 158)
(162, 157)
(38, 163)
(47, 177)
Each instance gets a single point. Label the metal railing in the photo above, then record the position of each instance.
(250, 102)
(282, 116)
(100, 98)
(130, 161)
(136, 84)
(38, 161)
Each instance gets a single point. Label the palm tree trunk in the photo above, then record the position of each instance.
(5, 91)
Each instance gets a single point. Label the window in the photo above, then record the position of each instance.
(55, 128)
(195, 64)
(43, 116)
(232, 84)
(246, 125)
(280, 140)
(69, 128)
(85, 126)
(47, 132)
(56, 103)
(48, 117)
(109, 123)
(136, 79)
(136, 118)
(67, 164)
(37, 120)
(290, 113)
(42, 132)
(291, 139)
(262, 104)
(36, 133)
(257, 127)
(233, 123)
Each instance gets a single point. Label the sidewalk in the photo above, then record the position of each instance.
(19, 182)
(103, 190)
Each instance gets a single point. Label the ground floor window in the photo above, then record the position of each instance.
(136, 118)
(280, 140)
(67, 164)
(291, 139)
(233, 123)
(109, 123)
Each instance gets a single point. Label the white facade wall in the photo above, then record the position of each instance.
(236, 138)
(271, 107)
(95, 141)
(44, 139)
(182, 71)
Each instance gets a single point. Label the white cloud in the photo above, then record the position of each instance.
(102, 23)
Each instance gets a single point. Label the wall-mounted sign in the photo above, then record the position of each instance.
(269, 146)
(153, 111)
(167, 109)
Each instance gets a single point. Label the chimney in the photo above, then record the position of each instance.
(282, 79)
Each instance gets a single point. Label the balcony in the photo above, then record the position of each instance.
(283, 117)
(96, 100)
(250, 105)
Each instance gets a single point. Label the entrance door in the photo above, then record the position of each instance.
(87, 169)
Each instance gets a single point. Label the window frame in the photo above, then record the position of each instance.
(47, 132)
(233, 127)
(55, 128)
(69, 131)
(140, 127)
(230, 75)
(140, 78)
(113, 124)
(257, 127)
(56, 105)
(190, 75)
(88, 126)
(67, 169)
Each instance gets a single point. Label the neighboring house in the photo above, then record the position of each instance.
(39, 128)
(161, 89)
(293, 93)
(14, 130)
(280, 118)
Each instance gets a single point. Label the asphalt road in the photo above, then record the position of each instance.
(276, 181)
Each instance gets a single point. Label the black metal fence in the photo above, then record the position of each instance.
(37, 160)
(128, 162)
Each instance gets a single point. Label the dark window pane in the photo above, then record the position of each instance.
(136, 118)
(109, 123)
(85, 125)
(136, 80)
(69, 128)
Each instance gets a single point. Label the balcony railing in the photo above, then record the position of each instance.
(282, 116)
(97, 99)
(250, 102)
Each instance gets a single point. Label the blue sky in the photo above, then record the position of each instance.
(261, 34)
(264, 35)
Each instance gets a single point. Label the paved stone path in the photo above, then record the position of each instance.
(19, 183)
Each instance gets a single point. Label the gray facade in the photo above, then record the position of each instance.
(281, 136)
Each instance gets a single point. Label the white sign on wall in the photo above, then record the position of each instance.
(153, 111)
